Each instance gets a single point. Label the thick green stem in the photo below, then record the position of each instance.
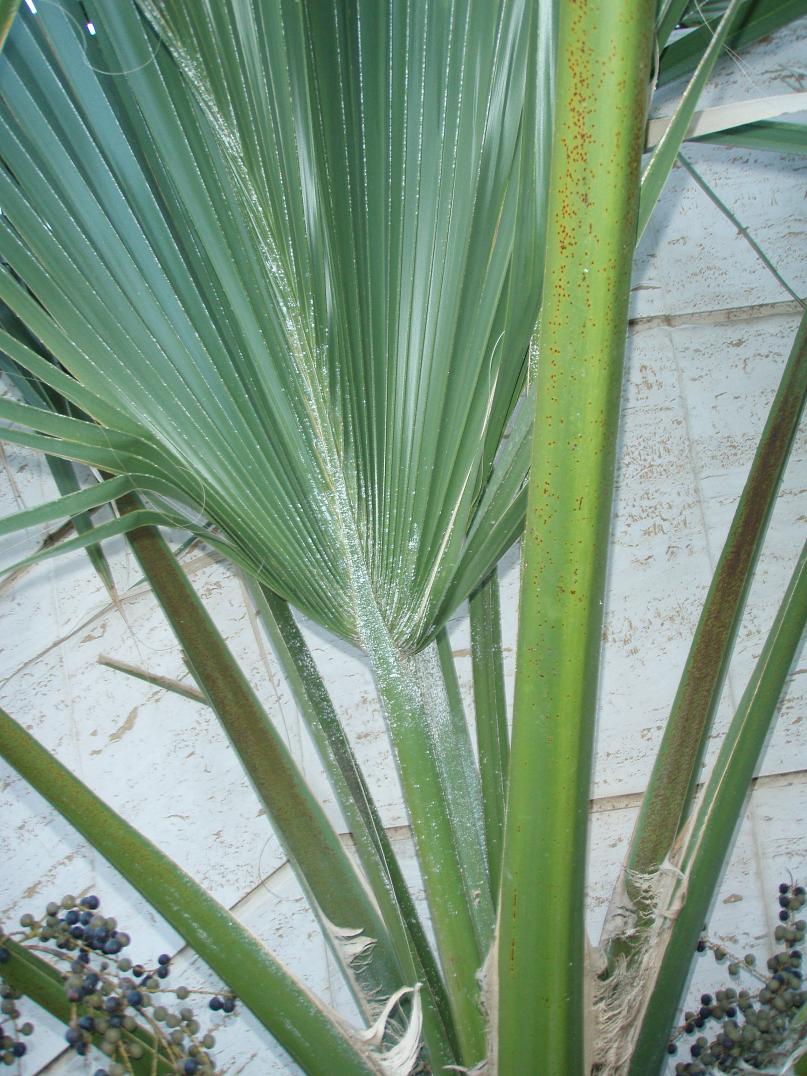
(454, 918)
(491, 716)
(604, 61)
(703, 857)
(312, 1037)
(375, 852)
(439, 684)
(675, 772)
(313, 846)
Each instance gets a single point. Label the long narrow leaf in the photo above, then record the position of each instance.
(452, 901)
(663, 156)
(675, 772)
(310, 1034)
(460, 775)
(93, 497)
(491, 716)
(322, 865)
(724, 118)
(709, 834)
(670, 15)
(376, 855)
(63, 472)
(594, 193)
(777, 137)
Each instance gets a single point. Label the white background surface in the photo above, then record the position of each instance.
(696, 394)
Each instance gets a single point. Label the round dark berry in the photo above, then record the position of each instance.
(5, 955)
(163, 958)
(19, 1049)
(215, 1004)
(190, 1067)
(784, 915)
(91, 902)
(86, 1023)
(163, 971)
(228, 1005)
(135, 998)
(73, 1036)
(784, 887)
(706, 999)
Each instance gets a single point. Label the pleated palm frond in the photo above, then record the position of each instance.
(287, 257)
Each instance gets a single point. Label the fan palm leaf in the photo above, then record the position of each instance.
(314, 339)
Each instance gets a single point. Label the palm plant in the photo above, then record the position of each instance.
(273, 273)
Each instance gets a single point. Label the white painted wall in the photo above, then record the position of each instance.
(710, 334)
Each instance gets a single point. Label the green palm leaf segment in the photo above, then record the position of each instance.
(314, 1037)
(593, 208)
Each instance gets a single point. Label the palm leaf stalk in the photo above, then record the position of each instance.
(310, 1034)
(454, 750)
(593, 203)
(708, 834)
(314, 848)
(456, 912)
(490, 711)
(376, 855)
(38, 980)
(675, 772)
